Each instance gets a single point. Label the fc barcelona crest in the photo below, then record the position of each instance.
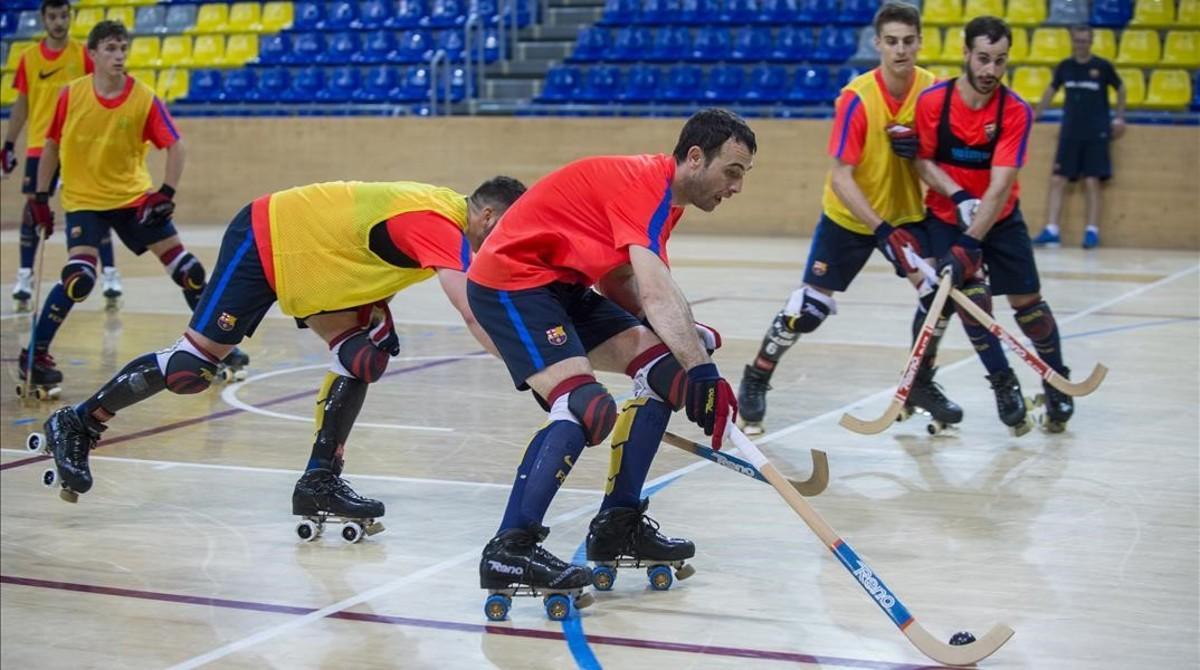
(226, 321)
(990, 131)
(819, 268)
(556, 336)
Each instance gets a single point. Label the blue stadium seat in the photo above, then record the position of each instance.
(487, 10)
(378, 85)
(236, 85)
(445, 14)
(793, 44)
(857, 12)
(377, 47)
(620, 12)
(738, 12)
(810, 86)
(1196, 91)
(8, 23)
(452, 42)
(204, 86)
(304, 85)
(600, 85)
(711, 44)
(768, 84)
(776, 11)
(669, 43)
(273, 49)
(630, 44)
(725, 83)
(408, 15)
(641, 84)
(339, 15)
(660, 12)
(682, 84)
(844, 75)
(272, 82)
(699, 12)
(340, 84)
(308, 15)
(414, 46)
(835, 45)
(816, 12)
(414, 84)
(373, 14)
(340, 48)
(751, 44)
(491, 45)
(561, 82)
(460, 85)
(305, 49)
(592, 45)
(1111, 13)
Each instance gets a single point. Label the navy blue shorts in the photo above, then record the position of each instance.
(538, 327)
(1082, 158)
(87, 228)
(837, 255)
(1007, 252)
(237, 295)
(29, 183)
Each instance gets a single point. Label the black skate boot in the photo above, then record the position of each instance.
(233, 367)
(69, 438)
(752, 399)
(1010, 404)
(1059, 406)
(46, 381)
(321, 495)
(515, 564)
(926, 395)
(624, 537)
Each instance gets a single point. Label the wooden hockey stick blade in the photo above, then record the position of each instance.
(868, 579)
(810, 487)
(875, 426)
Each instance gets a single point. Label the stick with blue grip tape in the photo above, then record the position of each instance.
(810, 487)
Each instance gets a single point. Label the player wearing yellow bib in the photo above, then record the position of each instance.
(872, 194)
(41, 73)
(332, 255)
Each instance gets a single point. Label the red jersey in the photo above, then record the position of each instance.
(576, 224)
(966, 143)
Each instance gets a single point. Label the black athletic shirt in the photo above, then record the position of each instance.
(1085, 111)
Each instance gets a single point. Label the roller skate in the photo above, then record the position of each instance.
(515, 564)
(321, 495)
(1059, 407)
(752, 399)
(624, 537)
(68, 438)
(1012, 407)
(46, 381)
(233, 368)
(926, 396)
(22, 290)
(110, 281)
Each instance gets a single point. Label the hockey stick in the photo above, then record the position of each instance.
(810, 487)
(33, 318)
(1031, 359)
(892, 413)
(959, 655)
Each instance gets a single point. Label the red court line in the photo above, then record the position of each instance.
(512, 631)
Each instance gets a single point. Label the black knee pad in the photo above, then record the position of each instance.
(189, 274)
(596, 410)
(360, 356)
(980, 294)
(187, 373)
(668, 380)
(79, 277)
(1036, 321)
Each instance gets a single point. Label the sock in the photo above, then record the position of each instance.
(635, 441)
(106, 251)
(54, 312)
(338, 404)
(548, 460)
(1093, 229)
(1038, 324)
(29, 244)
(1052, 228)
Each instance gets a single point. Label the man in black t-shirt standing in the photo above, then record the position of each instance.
(1085, 133)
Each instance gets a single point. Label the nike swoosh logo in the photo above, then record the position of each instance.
(47, 75)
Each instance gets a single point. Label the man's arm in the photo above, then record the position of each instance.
(666, 308)
(621, 287)
(47, 165)
(936, 177)
(454, 284)
(17, 118)
(175, 159)
(848, 191)
(1047, 96)
(1118, 125)
(992, 203)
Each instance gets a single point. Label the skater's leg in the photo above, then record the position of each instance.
(987, 346)
(1036, 320)
(78, 278)
(184, 268)
(106, 252)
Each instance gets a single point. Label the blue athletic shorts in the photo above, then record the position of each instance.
(837, 255)
(1082, 158)
(237, 295)
(1007, 252)
(88, 228)
(538, 327)
(29, 183)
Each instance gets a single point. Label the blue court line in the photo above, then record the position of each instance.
(1132, 326)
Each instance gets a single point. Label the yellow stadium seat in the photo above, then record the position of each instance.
(1182, 49)
(973, 8)
(85, 18)
(1189, 14)
(1134, 81)
(147, 77)
(245, 17)
(1104, 43)
(931, 46)
(241, 49)
(172, 84)
(1169, 89)
(8, 94)
(176, 51)
(90, 3)
(143, 52)
(1153, 14)
(123, 15)
(1031, 82)
(945, 71)
(1049, 46)
(1019, 51)
(211, 18)
(1139, 48)
(942, 12)
(1026, 13)
(276, 16)
(14, 55)
(952, 46)
(208, 51)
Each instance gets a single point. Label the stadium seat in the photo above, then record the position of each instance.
(208, 51)
(212, 17)
(952, 46)
(699, 12)
(973, 8)
(816, 12)
(146, 76)
(451, 42)
(204, 86)
(245, 17)
(711, 44)
(810, 86)
(620, 12)
(1030, 82)
(1067, 13)
(377, 47)
(1189, 14)
(941, 12)
(669, 43)
(1104, 43)
(793, 44)
(81, 25)
(641, 84)
(751, 44)
(378, 85)
(945, 71)
(866, 51)
(241, 48)
(176, 51)
(657, 12)
(1169, 89)
(1182, 49)
(340, 84)
(143, 52)
(460, 86)
(308, 15)
(857, 12)
(1111, 13)
(768, 85)
(1153, 14)
(682, 84)
(373, 14)
(738, 12)
(408, 14)
(1139, 48)
(776, 12)
(414, 46)
(14, 55)
(1019, 51)
(414, 84)
(445, 14)
(1196, 92)
(844, 75)
(304, 85)
(29, 24)
(339, 15)
(835, 45)
(1049, 46)
(172, 84)
(273, 49)
(1026, 13)
(122, 15)
(339, 48)
(724, 84)
(179, 19)
(629, 44)
(491, 45)
(8, 25)
(600, 85)
(150, 19)
(1134, 81)
(931, 46)
(272, 82)
(305, 48)
(561, 82)
(8, 94)
(276, 16)
(236, 85)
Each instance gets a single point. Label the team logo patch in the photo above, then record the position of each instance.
(990, 131)
(820, 268)
(226, 321)
(1094, 73)
(556, 336)
(76, 232)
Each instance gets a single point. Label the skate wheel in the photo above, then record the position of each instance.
(603, 578)
(495, 608)
(20, 391)
(352, 532)
(558, 606)
(49, 477)
(239, 376)
(1022, 428)
(584, 600)
(934, 427)
(53, 393)
(307, 530)
(751, 428)
(41, 394)
(685, 571)
(1053, 426)
(226, 375)
(660, 577)
(35, 441)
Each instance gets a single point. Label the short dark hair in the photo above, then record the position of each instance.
(992, 27)
(898, 12)
(1081, 28)
(106, 30)
(48, 4)
(500, 191)
(709, 129)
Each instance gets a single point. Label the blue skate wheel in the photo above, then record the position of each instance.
(603, 578)
(558, 607)
(495, 608)
(660, 577)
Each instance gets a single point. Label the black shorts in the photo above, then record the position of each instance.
(837, 255)
(238, 295)
(87, 228)
(1082, 158)
(29, 184)
(538, 327)
(1007, 252)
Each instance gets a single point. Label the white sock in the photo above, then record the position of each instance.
(1052, 228)
(1093, 229)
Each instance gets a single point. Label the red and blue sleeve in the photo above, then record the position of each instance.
(1013, 146)
(160, 127)
(929, 107)
(430, 239)
(54, 132)
(849, 132)
(20, 81)
(642, 215)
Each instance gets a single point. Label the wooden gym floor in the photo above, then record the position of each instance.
(184, 555)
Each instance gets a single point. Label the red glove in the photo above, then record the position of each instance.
(964, 259)
(8, 158)
(39, 214)
(711, 403)
(157, 208)
(891, 242)
(709, 337)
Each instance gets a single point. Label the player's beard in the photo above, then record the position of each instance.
(975, 82)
